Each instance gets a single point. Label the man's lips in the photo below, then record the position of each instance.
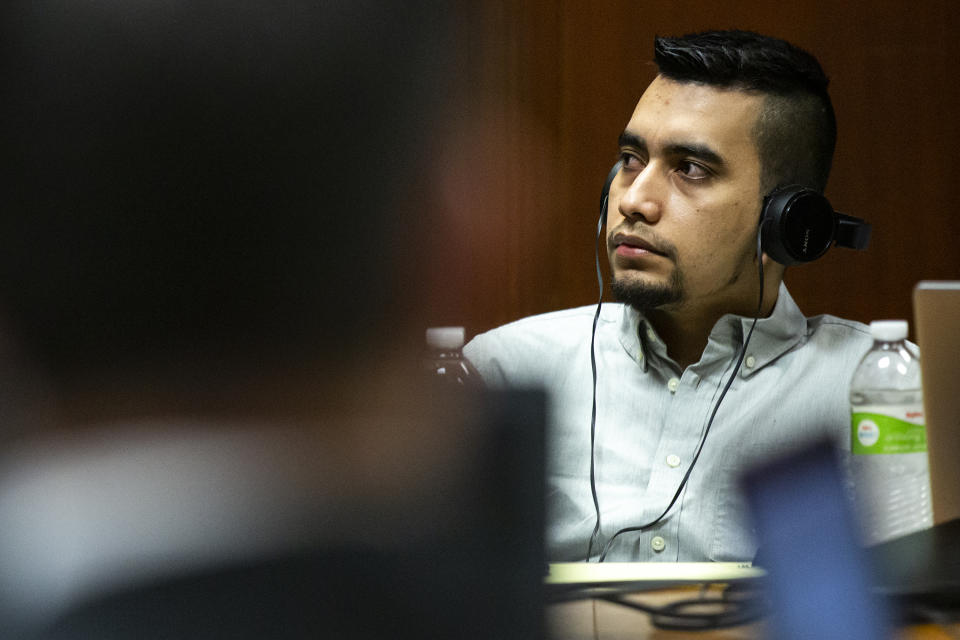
(632, 246)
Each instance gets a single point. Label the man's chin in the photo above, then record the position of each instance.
(645, 296)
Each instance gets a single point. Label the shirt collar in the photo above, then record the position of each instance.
(631, 325)
(773, 336)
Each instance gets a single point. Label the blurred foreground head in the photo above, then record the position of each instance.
(212, 185)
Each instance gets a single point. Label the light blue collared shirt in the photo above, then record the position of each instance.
(792, 388)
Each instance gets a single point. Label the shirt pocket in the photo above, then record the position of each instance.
(734, 536)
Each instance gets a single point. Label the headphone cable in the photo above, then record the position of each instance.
(593, 369)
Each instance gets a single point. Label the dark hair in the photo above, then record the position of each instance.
(796, 131)
(208, 181)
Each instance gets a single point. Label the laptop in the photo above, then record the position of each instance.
(575, 580)
(819, 580)
(936, 311)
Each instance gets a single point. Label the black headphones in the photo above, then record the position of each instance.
(797, 224)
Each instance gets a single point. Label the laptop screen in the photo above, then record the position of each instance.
(936, 310)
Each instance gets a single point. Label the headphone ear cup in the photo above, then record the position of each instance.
(797, 225)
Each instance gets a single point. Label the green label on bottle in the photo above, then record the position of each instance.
(879, 433)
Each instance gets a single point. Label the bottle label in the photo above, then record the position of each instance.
(888, 429)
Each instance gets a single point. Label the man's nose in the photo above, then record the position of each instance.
(643, 197)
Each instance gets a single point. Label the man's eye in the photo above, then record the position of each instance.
(630, 160)
(693, 171)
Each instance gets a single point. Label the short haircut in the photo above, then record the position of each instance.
(219, 182)
(796, 131)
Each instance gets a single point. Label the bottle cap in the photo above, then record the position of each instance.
(446, 337)
(888, 330)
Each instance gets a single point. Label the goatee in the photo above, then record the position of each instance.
(645, 297)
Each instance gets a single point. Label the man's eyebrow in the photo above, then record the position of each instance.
(628, 139)
(697, 151)
(687, 149)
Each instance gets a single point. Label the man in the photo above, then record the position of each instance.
(730, 117)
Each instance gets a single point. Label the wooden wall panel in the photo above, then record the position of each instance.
(559, 79)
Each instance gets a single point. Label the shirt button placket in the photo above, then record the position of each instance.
(658, 543)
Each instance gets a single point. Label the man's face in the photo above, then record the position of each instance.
(683, 211)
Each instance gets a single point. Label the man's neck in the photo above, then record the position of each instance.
(685, 337)
(685, 329)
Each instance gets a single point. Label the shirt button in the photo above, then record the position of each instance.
(673, 460)
(672, 384)
(658, 544)
(750, 361)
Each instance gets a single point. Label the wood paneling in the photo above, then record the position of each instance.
(559, 79)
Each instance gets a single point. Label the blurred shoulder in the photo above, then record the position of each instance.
(554, 326)
(531, 346)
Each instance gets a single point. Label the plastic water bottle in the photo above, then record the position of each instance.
(889, 440)
(444, 362)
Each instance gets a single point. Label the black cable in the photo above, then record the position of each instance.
(604, 200)
(593, 369)
(699, 614)
(706, 432)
